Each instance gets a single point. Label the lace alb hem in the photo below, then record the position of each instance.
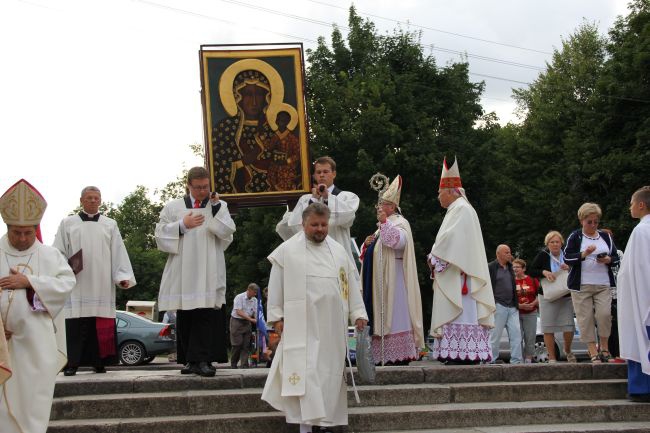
(397, 347)
(463, 342)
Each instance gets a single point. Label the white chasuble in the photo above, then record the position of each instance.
(105, 263)
(314, 289)
(343, 207)
(460, 243)
(633, 297)
(195, 272)
(26, 397)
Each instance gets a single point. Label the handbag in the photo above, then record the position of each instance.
(365, 363)
(554, 290)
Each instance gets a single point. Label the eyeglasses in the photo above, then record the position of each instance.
(200, 187)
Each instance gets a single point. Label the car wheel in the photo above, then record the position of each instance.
(540, 354)
(132, 353)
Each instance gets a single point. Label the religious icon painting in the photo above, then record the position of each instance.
(255, 122)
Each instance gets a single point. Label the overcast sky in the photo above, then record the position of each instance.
(106, 93)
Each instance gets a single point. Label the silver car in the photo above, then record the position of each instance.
(139, 339)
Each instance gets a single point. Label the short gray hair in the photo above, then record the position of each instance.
(315, 209)
(90, 188)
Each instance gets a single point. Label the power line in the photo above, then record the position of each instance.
(212, 18)
(486, 58)
(499, 78)
(330, 25)
(282, 14)
(496, 99)
(209, 17)
(460, 35)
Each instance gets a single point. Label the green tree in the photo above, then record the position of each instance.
(584, 137)
(622, 127)
(378, 103)
(136, 216)
(538, 173)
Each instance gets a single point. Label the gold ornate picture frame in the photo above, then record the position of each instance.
(255, 122)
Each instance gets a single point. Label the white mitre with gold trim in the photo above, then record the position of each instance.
(394, 191)
(22, 205)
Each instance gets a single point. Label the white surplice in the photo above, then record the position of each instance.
(195, 272)
(312, 287)
(343, 208)
(105, 263)
(633, 297)
(26, 398)
(459, 243)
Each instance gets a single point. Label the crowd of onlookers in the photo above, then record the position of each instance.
(566, 279)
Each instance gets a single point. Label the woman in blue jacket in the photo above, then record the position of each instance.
(591, 253)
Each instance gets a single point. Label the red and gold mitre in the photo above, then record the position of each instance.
(450, 177)
(22, 205)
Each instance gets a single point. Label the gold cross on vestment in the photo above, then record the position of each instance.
(294, 379)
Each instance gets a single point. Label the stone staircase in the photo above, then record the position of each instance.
(421, 398)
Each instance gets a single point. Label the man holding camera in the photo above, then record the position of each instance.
(195, 231)
(343, 206)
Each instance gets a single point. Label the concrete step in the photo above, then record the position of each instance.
(140, 381)
(207, 402)
(384, 418)
(491, 414)
(595, 427)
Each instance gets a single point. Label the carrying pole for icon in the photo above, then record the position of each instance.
(380, 183)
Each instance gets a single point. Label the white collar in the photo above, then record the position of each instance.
(90, 215)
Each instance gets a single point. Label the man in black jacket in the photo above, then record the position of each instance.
(505, 297)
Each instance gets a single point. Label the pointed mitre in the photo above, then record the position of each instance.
(22, 205)
(450, 177)
(394, 191)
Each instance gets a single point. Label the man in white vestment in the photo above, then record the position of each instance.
(195, 231)
(390, 284)
(313, 295)
(463, 303)
(633, 299)
(93, 245)
(343, 206)
(35, 281)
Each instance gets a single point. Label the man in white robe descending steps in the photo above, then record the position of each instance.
(313, 295)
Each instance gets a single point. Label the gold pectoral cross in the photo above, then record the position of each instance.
(294, 379)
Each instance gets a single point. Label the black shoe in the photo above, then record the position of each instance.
(211, 367)
(639, 398)
(70, 371)
(204, 369)
(188, 369)
(100, 369)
